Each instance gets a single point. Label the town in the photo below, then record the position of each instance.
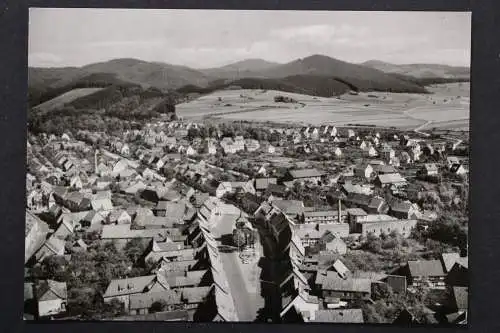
(176, 220)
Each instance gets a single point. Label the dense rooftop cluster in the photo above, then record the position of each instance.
(207, 222)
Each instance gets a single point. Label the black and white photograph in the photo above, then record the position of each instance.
(247, 166)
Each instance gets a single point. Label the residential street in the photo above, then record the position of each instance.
(247, 304)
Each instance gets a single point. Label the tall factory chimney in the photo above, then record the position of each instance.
(340, 210)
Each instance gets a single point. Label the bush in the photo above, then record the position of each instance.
(372, 244)
(158, 306)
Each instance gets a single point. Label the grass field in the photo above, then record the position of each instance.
(65, 98)
(447, 107)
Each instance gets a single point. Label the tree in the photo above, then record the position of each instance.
(134, 249)
(158, 306)
(239, 238)
(373, 243)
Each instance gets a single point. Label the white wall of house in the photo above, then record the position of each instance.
(51, 307)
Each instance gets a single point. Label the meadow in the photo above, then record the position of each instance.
(65, 98)
(447, 106)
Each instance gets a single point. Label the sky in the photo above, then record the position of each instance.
(212, 38)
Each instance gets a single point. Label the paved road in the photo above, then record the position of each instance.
(247, 304)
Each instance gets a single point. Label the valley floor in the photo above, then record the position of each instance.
(446, 107)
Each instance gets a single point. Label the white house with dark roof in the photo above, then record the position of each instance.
(51, 297)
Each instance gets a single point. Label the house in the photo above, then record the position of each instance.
(323, 216)
(292, 208)
(345, 316)
(333, 243)
(308, 234)
(390, 179)
(364, 145)
(79, 246)
(123, 289)
(383, 169)
(371, 152)
(451, 160)
(421, 273)
(141, 304)
(93, 219)
(387, 153)
(330, 284)
(312, 175)
(430, 169)
(363, 171)
(404, 209)
(459, 299)
(209, 147)
(239, 143)
(378, 224)
(268, 148)
(314, 135)
(348, 188)
(337, 152)
(122, 233)
(405, 158)
(76, 182)
(300, 307)
(458, 169)
(276, 190)
(76, 202)
(102, 201)
(119, 216)
(449, 259)
(51, 297)
(125, 150)
(262, 184)
(233, 187)
(52, 247)
(252, 145)
(36, 232)
(190, 151)
(377, 205)
(458, 274)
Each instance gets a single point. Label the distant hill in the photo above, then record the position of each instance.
(239, 69)
(315, 85)
(421, 70)
(146, 74)
(362, 77)
(321, 75)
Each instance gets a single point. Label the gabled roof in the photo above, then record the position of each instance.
(48, 290)
(461, 296)
(384, 168)
(146, 300)
(55, 245)
(289, 207)
(391, 178)
(305, 173)
(263, 183)
(425, 268)
(449, 260)
(334, 282)
(128, 286)
(400, 206)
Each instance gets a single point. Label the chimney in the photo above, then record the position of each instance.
(95, 160)
(340, 210)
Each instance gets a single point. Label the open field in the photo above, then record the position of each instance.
(65, 98)
(447, 107)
